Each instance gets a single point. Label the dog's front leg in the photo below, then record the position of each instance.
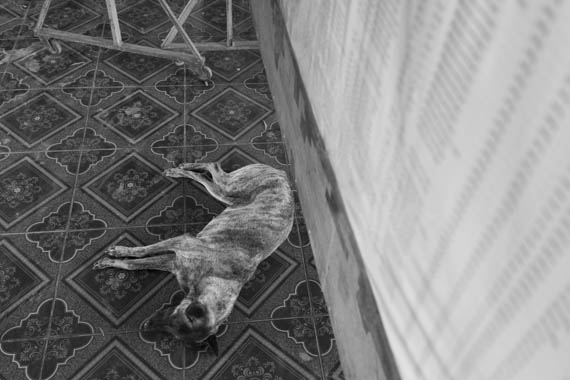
(216, 187)
(164, 245)
(163, 262)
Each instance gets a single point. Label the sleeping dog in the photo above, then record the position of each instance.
(212, 267)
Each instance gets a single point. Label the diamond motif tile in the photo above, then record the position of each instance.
(235, 159)
(136, 116)
(130, 186)
(48, 68)
(74, 336)
(214, 14)
(116, 362)
(19, 278)
(228, 64)
(138, 67)
(231, 113)
(25, 187)
(144, 16)
(270, 273)
(253, 354)
(68, 15)
(38, 118)
(116, 293)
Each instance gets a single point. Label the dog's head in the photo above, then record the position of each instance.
(189, 321)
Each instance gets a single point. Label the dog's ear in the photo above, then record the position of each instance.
(212, 341)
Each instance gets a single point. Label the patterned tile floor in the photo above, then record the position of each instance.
(84, 136)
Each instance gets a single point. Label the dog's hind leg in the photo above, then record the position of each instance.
(163, 262)
(182, 241)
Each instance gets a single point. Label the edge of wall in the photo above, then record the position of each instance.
(361, 338)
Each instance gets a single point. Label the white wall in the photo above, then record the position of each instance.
(447, 126)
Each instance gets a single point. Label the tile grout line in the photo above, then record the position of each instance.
(313, 313)
(58, 278)
(130, 148)
(134, 331)
(45, 347)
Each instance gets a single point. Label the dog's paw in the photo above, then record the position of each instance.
(102, 264)
(117, 251)
(173, 172)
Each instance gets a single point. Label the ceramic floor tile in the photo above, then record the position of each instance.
(266, 349)
(136, 115)
(233, 157)
(68, 15)
(127, 188)
(43, 69)
(84, 139)
(231, 116)
(28, 281)
(214, 14)
(116, 300)
(31, 187)
(31, 120)
(131, 69)
(231, 66)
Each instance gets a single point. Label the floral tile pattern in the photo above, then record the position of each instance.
(214, 14)
(144, 16)
(83, 227)
(68, 15)
(254, 355)
(175, 87)
(92, 87)
(114, 292)
(138, 67)
(85, 136)
(48, 68)
(129, 186)
(116, 362)
(171, 146)
(136, 116)
(228, 64)
(24, 187)
(271, 143)
(231, 113)
(270, 273)
(38, 118)
(70, 332)
(66, 155)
